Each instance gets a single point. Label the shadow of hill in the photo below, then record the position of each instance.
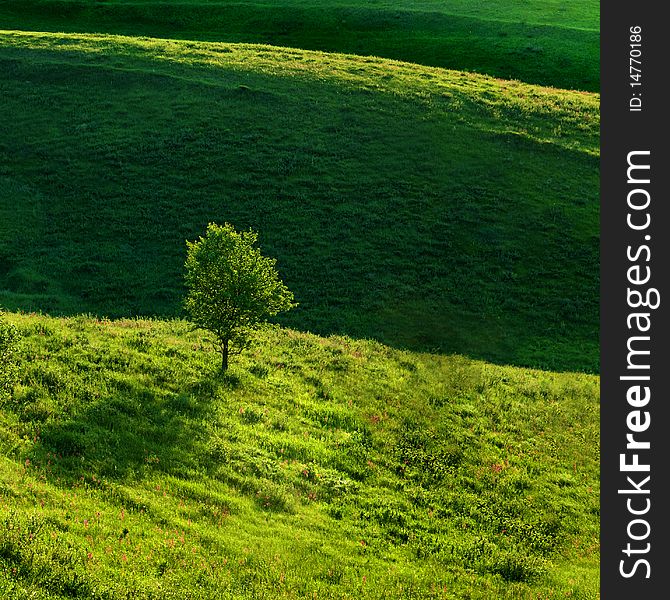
(425, 224)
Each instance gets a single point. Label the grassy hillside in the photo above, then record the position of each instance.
(434, 225)
(317, 468)
(426, 208)
(546, 42)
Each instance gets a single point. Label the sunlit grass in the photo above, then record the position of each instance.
(435, 225)
(316, 466)
(551, 43)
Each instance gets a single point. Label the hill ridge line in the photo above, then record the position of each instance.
(364, 58)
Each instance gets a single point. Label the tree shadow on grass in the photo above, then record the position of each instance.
(129, 433)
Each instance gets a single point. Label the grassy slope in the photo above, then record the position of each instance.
(328, 468)
(423, 207)
(551, 43)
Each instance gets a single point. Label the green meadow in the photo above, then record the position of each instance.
(550, 43)
(425, 423)
(427, 209)
(315, 468)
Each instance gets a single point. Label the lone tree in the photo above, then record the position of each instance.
(232, 287)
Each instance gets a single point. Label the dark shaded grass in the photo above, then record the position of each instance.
(416, 220)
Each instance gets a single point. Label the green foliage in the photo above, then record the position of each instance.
(130, 468)
(232, 287)
(9, 337)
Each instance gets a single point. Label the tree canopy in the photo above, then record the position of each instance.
(232, 287)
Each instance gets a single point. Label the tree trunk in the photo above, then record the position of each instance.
(224, 355)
